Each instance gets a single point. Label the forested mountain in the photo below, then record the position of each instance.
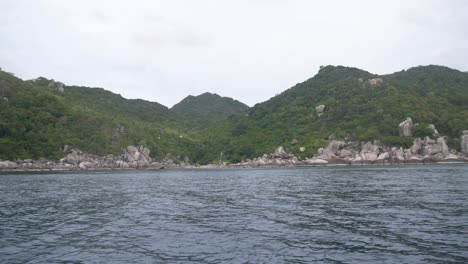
(357, 105)
(208, 108)
(42, 118)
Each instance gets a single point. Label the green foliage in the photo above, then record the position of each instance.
(422, 131)
(37, 122)
(355, 109)
(207, 109)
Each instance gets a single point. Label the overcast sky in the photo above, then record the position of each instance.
(249, 50)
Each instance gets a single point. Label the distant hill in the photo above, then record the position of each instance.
(357, 105)
(208, 108)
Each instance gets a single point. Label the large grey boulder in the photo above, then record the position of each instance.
(416, 148)
(332, 150)
(74, 157)
(435, 149)
(370, 151)
(464, 142)
(58, 86)
(137, 156)
(405, 128)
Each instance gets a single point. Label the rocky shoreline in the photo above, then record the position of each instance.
(337, 152)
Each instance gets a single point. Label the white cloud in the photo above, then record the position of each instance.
(249, 50)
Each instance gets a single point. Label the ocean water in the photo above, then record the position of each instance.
(407, 214)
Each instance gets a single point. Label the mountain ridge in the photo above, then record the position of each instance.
(39, 118)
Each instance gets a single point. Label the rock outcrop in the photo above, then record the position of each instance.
(464, 142)
(320, 109)
(280, 153)
(58, 86)
(375, 81)
(405, 128)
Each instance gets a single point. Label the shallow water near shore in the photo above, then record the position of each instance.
(350, 214)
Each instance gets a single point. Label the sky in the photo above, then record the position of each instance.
(249, 50)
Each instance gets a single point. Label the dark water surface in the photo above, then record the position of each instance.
(410, 214)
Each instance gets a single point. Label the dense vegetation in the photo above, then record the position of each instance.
(207, 109)
(355, 109)
(37, 121)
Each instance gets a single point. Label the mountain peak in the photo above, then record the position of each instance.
(208, 108)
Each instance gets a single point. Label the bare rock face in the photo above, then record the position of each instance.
(375, 81)
(320, 109)
(370, 151)
(58, 86)
(280, 153)
(464, 142)
(405, 128)
(138, 156)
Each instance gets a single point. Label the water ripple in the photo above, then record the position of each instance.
(410, 214)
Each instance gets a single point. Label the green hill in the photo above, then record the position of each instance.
(356, 107)
(208, 108)
(37, 121)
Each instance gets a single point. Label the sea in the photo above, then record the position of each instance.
(341, 214)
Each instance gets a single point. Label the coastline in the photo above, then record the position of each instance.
(233, 166)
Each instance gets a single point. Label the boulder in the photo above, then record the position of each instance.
(294, 141)
(451, 157)
(405, 128)
(280, 153)
(370, 151)
(302, 149)
(332, 150)
(416, 148)
(435, 147)
(398, 155)
(137, 156)
(464, 142)
(74, 157)
(320, 109)
(58, 86)
(316, 161)
(345, 153)
(383, 156)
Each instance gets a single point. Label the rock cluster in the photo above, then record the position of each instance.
(425, 150)
(131, 157)
(278, 158)
(422, 151)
